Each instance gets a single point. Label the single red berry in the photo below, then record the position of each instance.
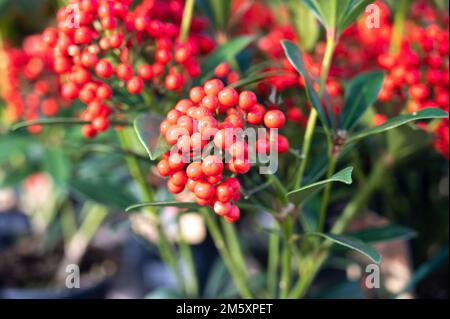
(212, 165)
(135, 85)
(274, 119)
(213, 87)
(124, 71)
(222, 70)
(89, 131)
(234, 215)
(204, 190)
(228, 97)
(194, 171)
(197, 94)
(211, 102)
(100, 124)
(222, 209)
(164, 168)
(174, 189)
(247, 100)
(145, 71)
(104, 69)
(179, 178)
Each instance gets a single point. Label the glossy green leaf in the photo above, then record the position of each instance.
(221, 10)
(425, 114)
(361, 93)
(337, 15)
(300, 195)
(354, 9)
(103, 192)
(384, 234)
(305, 24)
(295, 57)
(224, 53)
(163, 204)
(353, 244)
(146, 127)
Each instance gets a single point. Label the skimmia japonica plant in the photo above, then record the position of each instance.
(246, 114)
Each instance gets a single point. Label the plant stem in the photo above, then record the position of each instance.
(234, 246)
(218, 239)
(285, 282)
(373, 183)
(311, 126)
(399, 23)
(165, 247)
(312, 121)
(326, 194)
(187, 19)
(79, 243)
(272, 264)
(192, 280)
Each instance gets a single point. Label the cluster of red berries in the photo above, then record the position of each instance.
(214, 115)
(29, 85)
(101, 45)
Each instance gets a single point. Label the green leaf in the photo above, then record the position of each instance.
(163, 204)
(221, 12)
(104, 192)
(252, 79)
(425, 114)
(305, 24)
(337, 15)
(384, 234)
(353, 244)
(10, 144)
(295, 57)
(224, 53)
(300, 195)
(57, 164)
(361, 93)
(147, 130)
(354, 9)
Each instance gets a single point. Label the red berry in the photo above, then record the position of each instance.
(135, 85)
(197, 94)
(274, 119)
(228, 97)
(104, 69)
(234, 215)
(247, 100)
(222, 209)
(204, 190)
(179, 178)
(212, 165)
(124, 71)
(213, 87)
(194, 171)
(145, 71)
(164, 168)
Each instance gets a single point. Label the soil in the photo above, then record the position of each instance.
(24, 265)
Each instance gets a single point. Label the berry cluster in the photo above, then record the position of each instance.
(100, 46)
(29, 87)
(214, 115)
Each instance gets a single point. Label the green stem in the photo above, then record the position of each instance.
(165, 247)
(192, 280)
(312, 121)
(326, 194)
(234, 246)
(79, 243)
(309, 272)
(187, 19)
(272, 264)
(219, 241)
(285, 282)
(399, 23)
